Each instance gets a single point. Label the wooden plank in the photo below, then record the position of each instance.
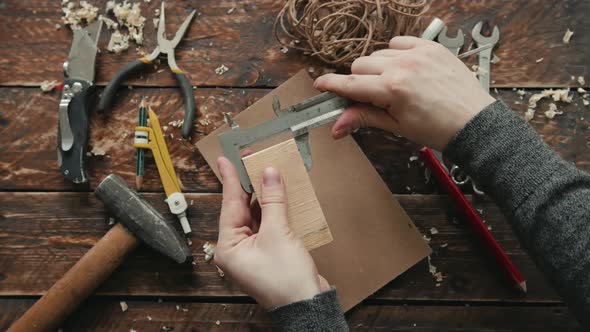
(104, 314)
(43, 234)
(28, 127)
(304, 211)
(244, 42)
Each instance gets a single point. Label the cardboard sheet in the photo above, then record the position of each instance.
(374, 239)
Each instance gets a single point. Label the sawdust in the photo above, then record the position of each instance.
(47, 86)
(556, 95)
(552, 111)
(127, 15)
(221, 70)
(118, 43)
(124, 306)
(567, 36)
(209, 250)
(74, 16)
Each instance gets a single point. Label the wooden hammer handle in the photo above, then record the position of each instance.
(78, 283)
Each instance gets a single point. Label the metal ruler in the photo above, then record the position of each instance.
(299, 119)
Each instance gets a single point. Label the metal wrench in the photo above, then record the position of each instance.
(452, 44)
(485, 56)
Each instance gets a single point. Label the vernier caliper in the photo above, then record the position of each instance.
(299, 119)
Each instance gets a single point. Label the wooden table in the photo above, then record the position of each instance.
(47, 224)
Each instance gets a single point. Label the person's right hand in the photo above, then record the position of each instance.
(416, 88)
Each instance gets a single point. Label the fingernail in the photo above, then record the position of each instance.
(271, 177)
(340, 133)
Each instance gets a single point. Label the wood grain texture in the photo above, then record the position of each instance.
(243, 41)
(305, 214)
(28, 127)
(43, 234)
(104, 314)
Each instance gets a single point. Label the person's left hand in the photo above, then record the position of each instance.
(266, 259)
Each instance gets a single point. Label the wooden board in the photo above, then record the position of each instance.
(305, 214)
(104, 314)
(43, 234)
(244, 42)
(28, 129)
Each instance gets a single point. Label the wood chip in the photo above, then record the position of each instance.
(567, 36)
(124, 306)
(495, 59)
(231, 10)
(433, 231)
(47, 86)
(552, 111)
(581, 80)
(221, 70)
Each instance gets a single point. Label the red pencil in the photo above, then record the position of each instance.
(473, 218)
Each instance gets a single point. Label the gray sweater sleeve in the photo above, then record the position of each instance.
(322, 313)
(546, 199)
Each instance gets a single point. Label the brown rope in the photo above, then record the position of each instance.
(339, 31)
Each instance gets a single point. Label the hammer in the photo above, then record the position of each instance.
(137, 221)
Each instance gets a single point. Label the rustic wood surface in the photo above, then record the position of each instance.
(28, 158)
(104, 314)
(46, 223)
(244, 42)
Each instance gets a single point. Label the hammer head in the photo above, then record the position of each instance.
(139, 217)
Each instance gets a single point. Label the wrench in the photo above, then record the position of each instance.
(485, 56)
(452, 44)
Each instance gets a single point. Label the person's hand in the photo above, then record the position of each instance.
(265, 258)
(416, 88)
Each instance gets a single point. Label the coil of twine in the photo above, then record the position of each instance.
(339, 31)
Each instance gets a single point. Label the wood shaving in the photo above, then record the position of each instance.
(567, 36)
(284, 49)
(98, 151)
(582, 91)
(489, 228)
(444, 245)
(129, 15)
(176, 123)
(209, 250)
(220, 272)
(585, 102)
(520, 92)
(57, 26)
(124, 306)
(47, 86)
(217, 323)
(413, 158)
(111, 221)
(109, 23)
(557, 95)
(221, 70)
(539, 60)
(74, 17)
(552, 111)
(426, 238)
(118, 42)
(529, 114)
(231, 10)
(433, 231)
(581, 80)
(438, 277)
(495, 59)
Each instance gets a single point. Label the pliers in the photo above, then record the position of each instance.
(165, 47)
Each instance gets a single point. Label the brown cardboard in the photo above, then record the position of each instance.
(374, 239)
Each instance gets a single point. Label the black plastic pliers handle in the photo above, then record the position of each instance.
(165, 47)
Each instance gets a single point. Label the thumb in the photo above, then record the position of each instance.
(362, 116)
(273, 201)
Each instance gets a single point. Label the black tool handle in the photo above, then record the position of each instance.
(189, 103)
(111, 89)
(73, 161)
